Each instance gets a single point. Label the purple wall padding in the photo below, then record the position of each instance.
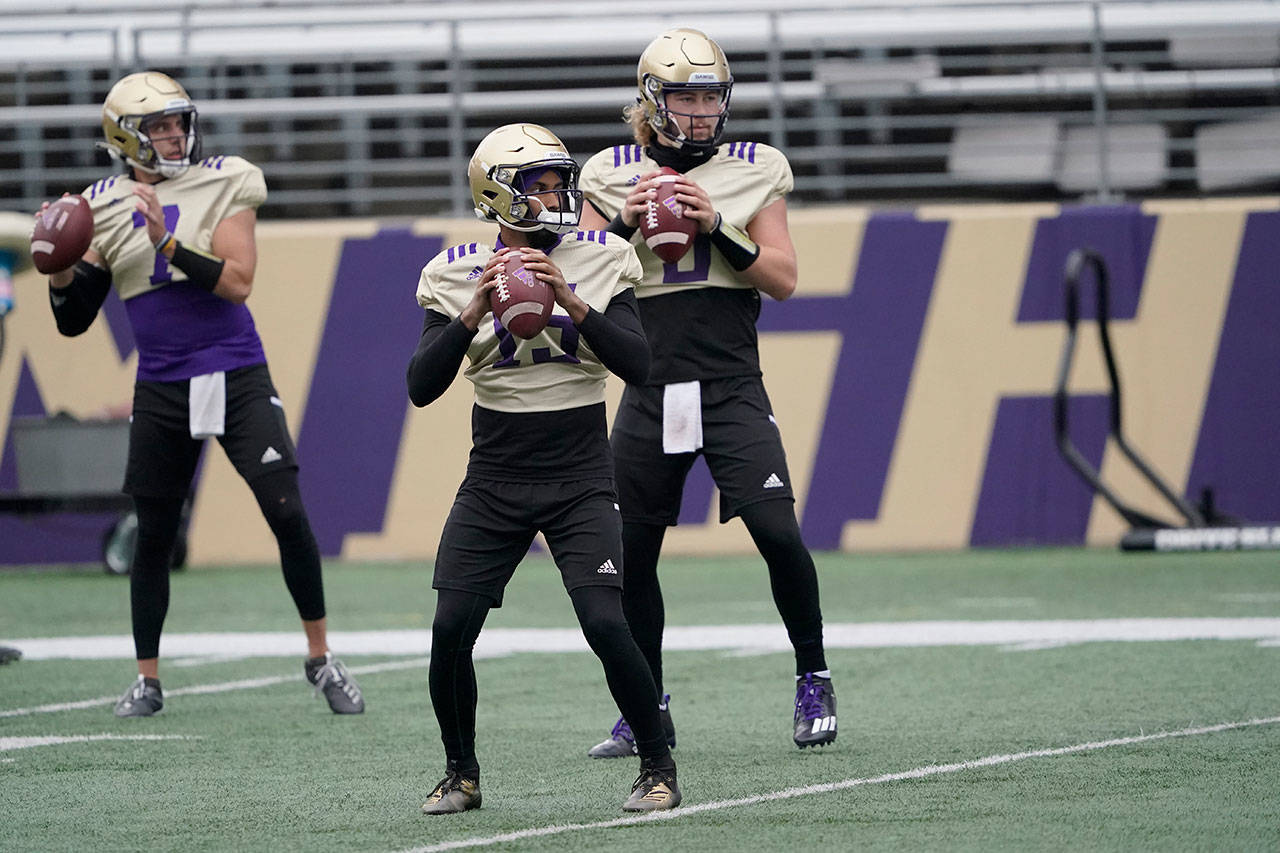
(1238, 454)
(350, 436)
(880, 321)
(1029, 495)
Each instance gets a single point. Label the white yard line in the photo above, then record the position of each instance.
(1013, 635)
(764, 638)
(828, 787)
(11, 743)
(220, 687)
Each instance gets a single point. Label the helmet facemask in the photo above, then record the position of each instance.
(662, 117)
(146, 157)
(136, 101)
(527, 210)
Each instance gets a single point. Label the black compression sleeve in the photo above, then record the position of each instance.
(75, 305)
(202, 269)
(738, 249)
(622, 229)
(435, 362)
(617, 338)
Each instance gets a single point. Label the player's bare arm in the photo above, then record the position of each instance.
(234, 243)
(774, 271)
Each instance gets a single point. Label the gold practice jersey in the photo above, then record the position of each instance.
(181, 330)
(194, 203)
(742, 178)
(698, 314)
(555, 370)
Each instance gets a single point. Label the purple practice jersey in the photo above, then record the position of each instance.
(181, 330)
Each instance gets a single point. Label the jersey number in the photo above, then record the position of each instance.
(162, 274)
(569, 337)
(672, 274)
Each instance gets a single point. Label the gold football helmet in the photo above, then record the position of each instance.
(682, 59)
(129, 106)
(503, 164)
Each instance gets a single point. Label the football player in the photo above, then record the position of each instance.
(175, 235)
(540, 457)
(704, 395)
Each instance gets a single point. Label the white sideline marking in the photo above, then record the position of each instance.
(827, 787)
(11, 743)
(997, 602)
(742, 640)
(1249, 597)
(221, 687)
(749, 639)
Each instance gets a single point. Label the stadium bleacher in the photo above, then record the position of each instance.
(360, 109)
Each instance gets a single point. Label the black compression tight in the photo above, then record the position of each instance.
(458, 619)
(641, 593)
(159, 520)
(281, 504)
(599, 611)
(792, 578)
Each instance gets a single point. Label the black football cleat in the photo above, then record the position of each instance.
(621, 742)
(815, 717)
(454, 794)
(331, 678)
(655, 789)
(143, 699)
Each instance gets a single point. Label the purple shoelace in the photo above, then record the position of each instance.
(622, 729)
(809, 696)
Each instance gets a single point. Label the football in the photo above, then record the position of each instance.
(62, 234)
(664, 227)
(520, 300)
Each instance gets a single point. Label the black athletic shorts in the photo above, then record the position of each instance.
(163, 455)
(492, 525)
(740, 441)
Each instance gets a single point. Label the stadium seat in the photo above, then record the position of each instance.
(1021, 151)
(1136, 158)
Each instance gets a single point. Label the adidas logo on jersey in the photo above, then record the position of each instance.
(774, 482)
(475, 273)
(633, 180)
(607, 568)
(271, 455)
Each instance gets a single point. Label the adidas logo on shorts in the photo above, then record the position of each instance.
(271, 455)
(607, 568)
(774, 482)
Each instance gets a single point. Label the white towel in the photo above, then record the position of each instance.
(682, 417)
(207, 404)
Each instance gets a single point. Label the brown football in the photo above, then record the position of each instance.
(665, 228)
(520, 300)
(62, 234)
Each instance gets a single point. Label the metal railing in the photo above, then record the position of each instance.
(374, 109)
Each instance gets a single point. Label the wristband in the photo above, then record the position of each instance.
(203, 270)
(164, 242)
(738, 249)
(622, 229)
